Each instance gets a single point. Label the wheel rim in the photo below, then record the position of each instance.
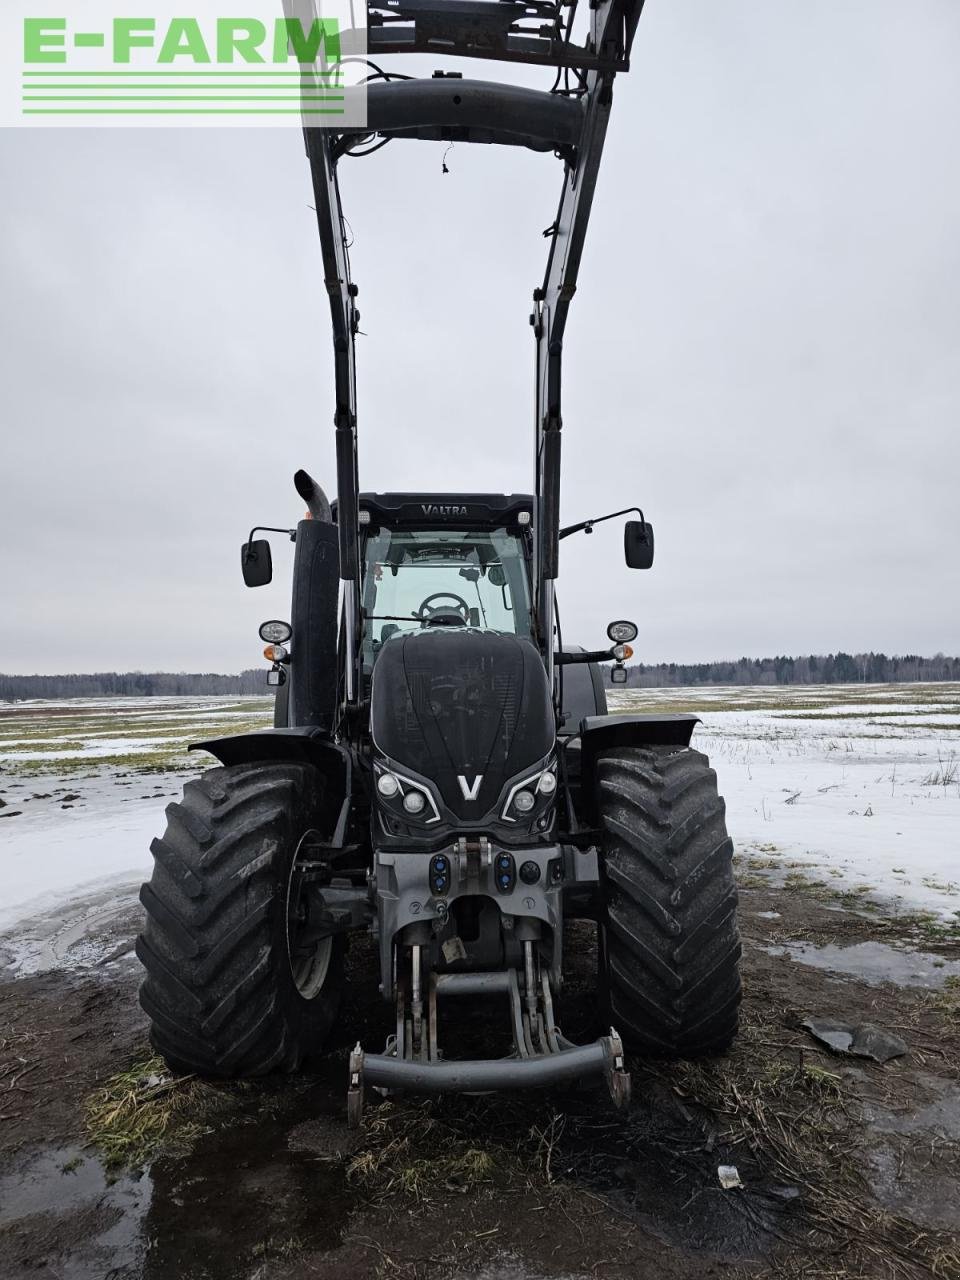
(309, 964)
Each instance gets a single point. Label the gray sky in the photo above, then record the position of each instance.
(764, 351)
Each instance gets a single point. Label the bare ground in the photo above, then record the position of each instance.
(849, 1168)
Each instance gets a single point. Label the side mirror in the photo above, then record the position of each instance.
(256, 563)
(638, 544)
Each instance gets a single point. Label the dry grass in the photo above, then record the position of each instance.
(144, 1110)
(946, 774)
(753, 881)
(947, 1000)
(424, 1149)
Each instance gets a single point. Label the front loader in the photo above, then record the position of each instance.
(443, 772)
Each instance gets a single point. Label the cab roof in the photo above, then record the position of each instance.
(434, 510)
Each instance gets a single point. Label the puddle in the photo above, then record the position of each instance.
(940, 1116)
(912, 1167)
(658, 1166)
(254, 1191)
(242, 1197)
(905, 1185)
(61, 1210)
(873, 962)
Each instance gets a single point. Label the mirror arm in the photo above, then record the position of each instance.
(268, 528)
(586, 526)
(594, 655)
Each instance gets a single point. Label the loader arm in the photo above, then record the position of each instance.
(429, 779)
(572, 122)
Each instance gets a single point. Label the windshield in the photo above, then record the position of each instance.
(475, 577)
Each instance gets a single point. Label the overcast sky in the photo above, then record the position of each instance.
(764, 351)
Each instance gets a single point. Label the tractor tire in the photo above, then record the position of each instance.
(670, 948)
(223, 992)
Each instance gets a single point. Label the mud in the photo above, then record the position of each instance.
(271, 1189)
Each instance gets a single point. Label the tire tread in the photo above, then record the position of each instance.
(671, 943)
(217, 985)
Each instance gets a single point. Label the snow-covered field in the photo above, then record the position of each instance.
(83, 784)
(858, 786)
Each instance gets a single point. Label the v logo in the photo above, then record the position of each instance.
(473, 790)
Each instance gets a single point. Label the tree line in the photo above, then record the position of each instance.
(135, 684)
(831, 668)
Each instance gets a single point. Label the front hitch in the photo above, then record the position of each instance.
(541, 1056)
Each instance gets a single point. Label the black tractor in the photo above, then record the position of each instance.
(443, 772)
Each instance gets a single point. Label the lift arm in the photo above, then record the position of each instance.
(612, 30)
(342, 293)
(572, 122)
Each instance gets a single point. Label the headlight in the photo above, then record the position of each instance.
(526, 795)
(524, 801)
(621, 632)
(275, 632)
(402, 797)
(547, 784)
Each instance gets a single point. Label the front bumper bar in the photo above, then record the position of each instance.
(481, 1075)
(541, 1056)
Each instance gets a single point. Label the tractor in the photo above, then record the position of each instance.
(443, 773)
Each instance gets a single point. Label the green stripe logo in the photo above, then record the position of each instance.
(210, 65)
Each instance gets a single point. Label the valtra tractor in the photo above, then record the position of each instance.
(443, 772)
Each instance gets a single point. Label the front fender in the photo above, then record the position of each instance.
(305, 744)
(605, 733)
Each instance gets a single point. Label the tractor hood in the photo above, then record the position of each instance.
(467, 709)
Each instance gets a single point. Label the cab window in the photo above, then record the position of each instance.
(443, 577)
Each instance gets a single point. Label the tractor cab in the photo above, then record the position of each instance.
(432, 561)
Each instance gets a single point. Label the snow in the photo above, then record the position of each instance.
(78, 811)
(51, 856)
(851, 797)
(112, 747)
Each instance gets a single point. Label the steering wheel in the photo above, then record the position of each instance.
(441, 615)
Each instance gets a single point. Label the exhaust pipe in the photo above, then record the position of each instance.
(317, 501)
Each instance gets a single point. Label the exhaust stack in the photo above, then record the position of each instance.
(318, 504)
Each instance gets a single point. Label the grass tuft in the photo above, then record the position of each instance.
(145, 1109)
(782, 1079)
(431, 1148)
